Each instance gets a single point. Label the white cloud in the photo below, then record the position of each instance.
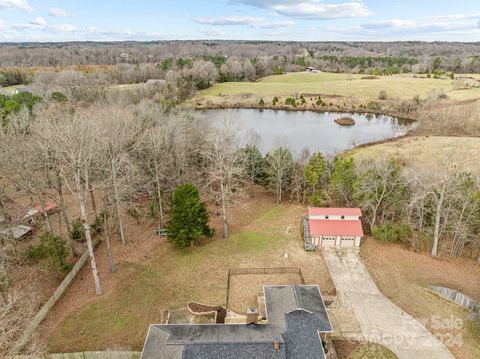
(417, 26)
(40, 21)
(214, 32)
(61, 28)
(311, 9)
(57, 12)
(230, 20)
(252, 21)
(3, 26)
(15, 4)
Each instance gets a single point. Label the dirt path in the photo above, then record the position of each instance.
(380, 320)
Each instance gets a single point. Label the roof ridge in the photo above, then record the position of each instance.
(296, 295)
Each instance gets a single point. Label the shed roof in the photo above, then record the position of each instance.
(332, 227)
(49, 206)
(331, 211)
(17, 232)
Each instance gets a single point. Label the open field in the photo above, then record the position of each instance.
(152, 276)
(402, 276)
(404, 86)
(426, 153)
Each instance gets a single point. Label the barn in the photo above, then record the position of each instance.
(332, 227)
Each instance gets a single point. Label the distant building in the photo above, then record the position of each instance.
(20, 90)
(297, 323)
(332, 227)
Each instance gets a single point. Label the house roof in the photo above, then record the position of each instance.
(332, 227)
(296, 315)
(327, 211)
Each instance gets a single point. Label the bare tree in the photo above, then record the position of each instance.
(119, 137)
(382, 190)
(279, 169)
(225, 170)
(76, 138)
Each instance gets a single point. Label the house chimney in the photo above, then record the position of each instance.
(252, 315)
(276, 344)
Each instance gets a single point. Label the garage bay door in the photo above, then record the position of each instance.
(328, 241)
(347, 242)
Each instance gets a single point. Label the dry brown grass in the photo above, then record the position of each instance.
(459, 119)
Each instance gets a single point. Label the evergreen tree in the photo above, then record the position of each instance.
(316, 176)
(189, 217)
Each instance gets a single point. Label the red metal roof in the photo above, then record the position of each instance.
(334, 211)
(332, 227)
(49, 206)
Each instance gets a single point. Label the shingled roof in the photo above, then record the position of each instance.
(296, 315)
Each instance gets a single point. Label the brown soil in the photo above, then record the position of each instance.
(369, 77)
(345, 121)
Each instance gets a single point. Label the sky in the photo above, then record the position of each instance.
(299, 20)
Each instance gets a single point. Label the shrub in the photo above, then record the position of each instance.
(275, 100)
(382, 95)
(261, 103)
(391, 232)
(59, 97)
(53, 248)
(97, 225)
(320, 102)
(76, 232)
(302, 100)
(290, 101)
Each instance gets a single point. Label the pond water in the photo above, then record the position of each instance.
(315, 131)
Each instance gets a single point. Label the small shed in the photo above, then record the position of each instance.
(17, 232)
(36, 210)
(332, 227)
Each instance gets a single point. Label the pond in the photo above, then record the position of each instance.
(315, 131)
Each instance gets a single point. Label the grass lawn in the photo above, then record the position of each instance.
(404, 86)
(163, 277)
(372, 351)
(402, 276)
(431, 153)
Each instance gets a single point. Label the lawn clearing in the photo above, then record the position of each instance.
(430, 153)
(402, 276)
(160, 277)
(404, 86)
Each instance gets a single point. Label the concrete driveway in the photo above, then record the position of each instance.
(380, 320)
